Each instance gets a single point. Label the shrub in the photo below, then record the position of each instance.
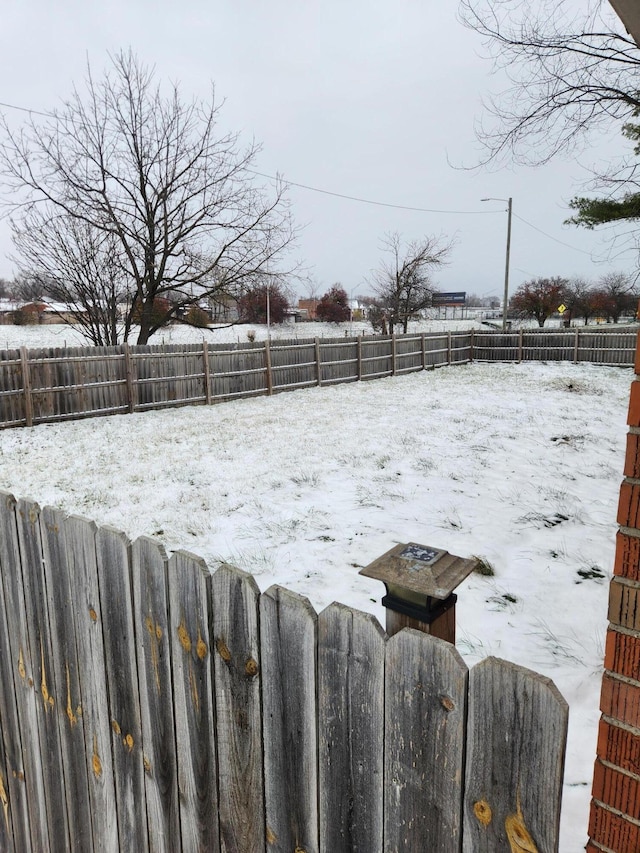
(334, 306)
(195, 316)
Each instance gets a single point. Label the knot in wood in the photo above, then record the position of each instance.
(223, 650)
(482, 810)
(447, 703)
(183, 636)
(201, 649)
(97, 765)
(518, 835)
(251, 668)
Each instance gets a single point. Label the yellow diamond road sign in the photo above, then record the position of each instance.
(562, 309)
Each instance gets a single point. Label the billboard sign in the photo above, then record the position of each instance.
(458, 298)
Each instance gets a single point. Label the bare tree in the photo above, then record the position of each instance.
(403, 281)
(172, 195)
(618, 295)
(31, 287)
(577, 298)
(568, 73)
(83, 272)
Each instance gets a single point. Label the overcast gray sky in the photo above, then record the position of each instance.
(365, 98)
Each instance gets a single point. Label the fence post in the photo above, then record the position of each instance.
(393, 353)
(129, 375)
(359, 356)
(423, 352)
(420, 581)
(520, 337)
(576, 346)
(449, 348)
(471, 345)
(207, 378)
(267, 364)
(318, 363)
(26, 386)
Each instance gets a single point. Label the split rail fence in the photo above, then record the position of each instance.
(52, 384)
(147, 704)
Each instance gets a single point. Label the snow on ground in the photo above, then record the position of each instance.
(62, 335)
(520, 464)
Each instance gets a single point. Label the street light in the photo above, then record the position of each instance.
(506, 266)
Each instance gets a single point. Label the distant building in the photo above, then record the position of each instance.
(310, 306)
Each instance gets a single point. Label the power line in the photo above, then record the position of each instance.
(358, 199)
(364, 200)
(555, 239)
(302, 186)
(26, 110)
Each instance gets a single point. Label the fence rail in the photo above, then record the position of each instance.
(146, 704)
(49, 385)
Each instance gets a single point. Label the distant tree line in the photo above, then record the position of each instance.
(610, 297)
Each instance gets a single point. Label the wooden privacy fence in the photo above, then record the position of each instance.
(600, 346)
(48, 385)
(146, 704)
(45, 385)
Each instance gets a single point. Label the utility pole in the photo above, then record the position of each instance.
(505, 300)
(506, 268)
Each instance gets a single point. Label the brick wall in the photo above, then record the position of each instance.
(614, 823)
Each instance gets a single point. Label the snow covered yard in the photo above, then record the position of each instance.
(520, 464)
(68, 336)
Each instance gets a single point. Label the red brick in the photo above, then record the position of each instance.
(622, 654)
(627, 563)
(620, 700)
(617, 790)
(624, 605)
(629, 505)
(633, 416)
(619, 746)
(632, 457)
(613, 831)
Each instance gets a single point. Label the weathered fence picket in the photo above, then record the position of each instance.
(234, 612)
(60, 591)
(425, 714)
(288, 652)
(351, 652)
(76, 541)
(148, 569)
(147, 704)
(116, 616)
(516, 720)
(194, 709)
(22, 782)
(48, 385)
(50, 695)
